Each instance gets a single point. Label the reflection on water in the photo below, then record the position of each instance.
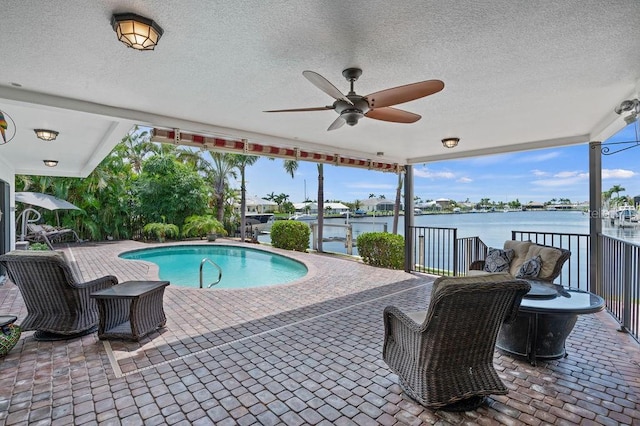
(492, 228)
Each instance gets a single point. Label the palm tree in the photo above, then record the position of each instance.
(222, 167)
(616, 189)
(241, 162)
(137, 146)
(396, 206)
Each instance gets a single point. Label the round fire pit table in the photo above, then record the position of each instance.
(545, 319)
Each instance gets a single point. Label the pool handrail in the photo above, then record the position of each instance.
(206, 259)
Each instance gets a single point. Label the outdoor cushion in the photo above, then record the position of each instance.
(549, 256)
(530, 268)
(520, 249)
(498, 260)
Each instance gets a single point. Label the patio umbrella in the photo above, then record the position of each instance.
(46, 201)
(38, 199)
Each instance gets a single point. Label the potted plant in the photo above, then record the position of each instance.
(203, 226)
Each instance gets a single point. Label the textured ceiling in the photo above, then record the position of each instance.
(518, 74)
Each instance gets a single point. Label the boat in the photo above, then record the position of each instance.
(624, 216)
(304, 217)
(260, 222)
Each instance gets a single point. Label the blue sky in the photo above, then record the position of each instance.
(539, 175)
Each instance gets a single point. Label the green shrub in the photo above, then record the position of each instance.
(161, 231)
(290, 235)
(38, 246)
(381, 249)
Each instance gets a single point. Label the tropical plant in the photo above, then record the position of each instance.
(38, 247)
(161, 231)
(202, 226)
(168, 188)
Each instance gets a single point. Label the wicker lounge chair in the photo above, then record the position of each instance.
(444, 356)
(58, 302)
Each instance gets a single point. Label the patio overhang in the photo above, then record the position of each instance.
(518, 76)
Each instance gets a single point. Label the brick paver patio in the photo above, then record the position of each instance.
(308, 352)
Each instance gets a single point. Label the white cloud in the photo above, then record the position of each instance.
(426, 173)
(570, 174)
(538, 158)
(366, 185)
(537, 172)
(617, 174)
(464, 180)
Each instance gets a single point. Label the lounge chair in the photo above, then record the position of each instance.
(48, 234)
(444, 356)
(58, 302)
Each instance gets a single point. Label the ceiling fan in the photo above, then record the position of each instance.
(352, 107)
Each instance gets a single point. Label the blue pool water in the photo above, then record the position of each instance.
(241, 267)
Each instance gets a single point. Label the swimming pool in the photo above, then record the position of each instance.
(242, 267)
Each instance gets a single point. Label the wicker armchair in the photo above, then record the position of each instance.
(58, 303)
(444, 356)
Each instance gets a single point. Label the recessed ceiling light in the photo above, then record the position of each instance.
(50, 163)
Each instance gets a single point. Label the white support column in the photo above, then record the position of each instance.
(595, 216)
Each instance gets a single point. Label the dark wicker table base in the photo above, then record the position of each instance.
(130, 310)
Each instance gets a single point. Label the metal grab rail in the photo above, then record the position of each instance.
(206, 259)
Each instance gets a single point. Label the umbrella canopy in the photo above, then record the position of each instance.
(46, 201)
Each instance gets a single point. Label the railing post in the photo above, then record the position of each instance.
(421, 260)
(455, 252)
(626, 288)
(349, 241)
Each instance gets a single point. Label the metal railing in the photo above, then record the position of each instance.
(575, 272)
(435, 250)
(207, 260)
(620, 281)
(438, 251)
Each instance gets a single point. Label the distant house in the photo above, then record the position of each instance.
(258, 205)
(429, 206)
(443, 202)
(306, 208)
(534, 206)
(377, 205)
(312, 208)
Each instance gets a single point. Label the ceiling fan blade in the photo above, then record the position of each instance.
(402, 94)
(393, 114)
(339, 122)
(302, 109)
(323, 84)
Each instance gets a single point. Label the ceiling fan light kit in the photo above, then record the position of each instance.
(352, 107)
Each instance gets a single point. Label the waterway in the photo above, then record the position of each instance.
(492, 228)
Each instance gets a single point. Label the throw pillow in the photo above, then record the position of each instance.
(498, 260)
(530, 268)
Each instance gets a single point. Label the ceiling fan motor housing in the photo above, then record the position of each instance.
(352, 113)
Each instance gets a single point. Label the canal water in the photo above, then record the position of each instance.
(493, 228)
